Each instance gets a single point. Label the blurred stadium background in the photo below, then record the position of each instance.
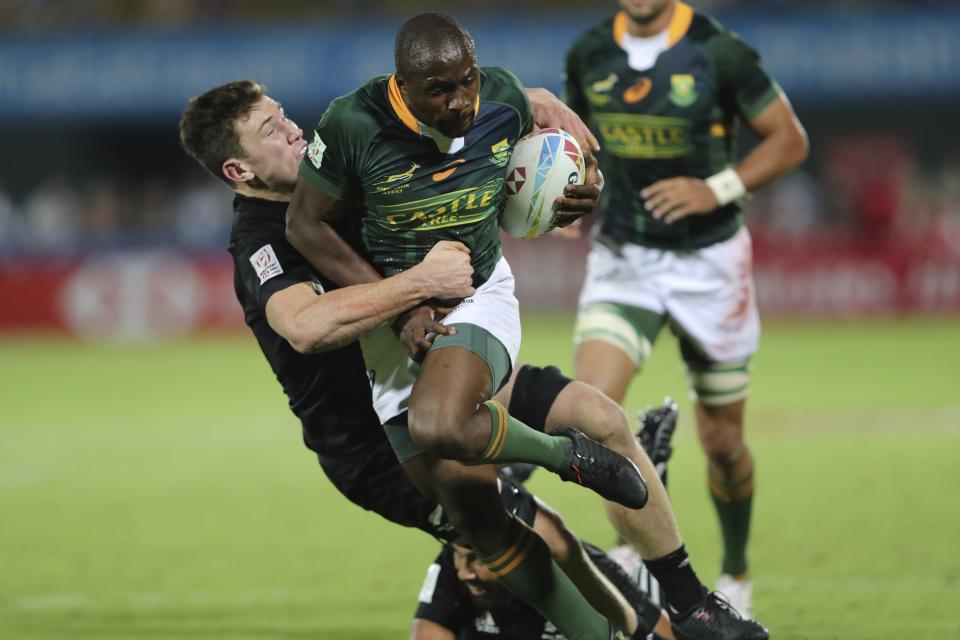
(152, 483)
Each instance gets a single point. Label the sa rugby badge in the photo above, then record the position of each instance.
(683, 89)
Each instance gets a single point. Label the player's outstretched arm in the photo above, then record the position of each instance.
(310, 217)
(312, 323)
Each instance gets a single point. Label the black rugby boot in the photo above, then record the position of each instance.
(715, 619)
(656, 429)
(596, 467)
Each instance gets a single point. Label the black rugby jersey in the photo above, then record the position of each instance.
(329, 391)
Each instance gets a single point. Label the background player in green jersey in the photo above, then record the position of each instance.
(423, 153)
(665, 88)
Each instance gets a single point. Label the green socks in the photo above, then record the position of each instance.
(527, 570)
(734, 503)
(513, 441)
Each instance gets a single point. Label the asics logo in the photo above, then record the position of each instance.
(637, 92)
(443, 175)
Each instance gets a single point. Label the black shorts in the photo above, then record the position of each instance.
(374, 480)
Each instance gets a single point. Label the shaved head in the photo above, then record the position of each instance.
(428, 39)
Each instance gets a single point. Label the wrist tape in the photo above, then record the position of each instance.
(726, 186)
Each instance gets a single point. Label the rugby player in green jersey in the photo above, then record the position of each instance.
(665, 88)
(306, 330)
(422, 153)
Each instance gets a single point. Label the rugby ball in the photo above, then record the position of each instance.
(542, 164)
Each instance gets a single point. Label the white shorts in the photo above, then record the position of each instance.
(707, 294)
(493, 307)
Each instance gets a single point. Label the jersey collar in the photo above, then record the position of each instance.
(678, 27)
(403, 112)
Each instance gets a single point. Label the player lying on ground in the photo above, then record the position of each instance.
(461, 600)
(243, 137)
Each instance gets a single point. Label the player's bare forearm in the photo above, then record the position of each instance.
(445, 273)
(309, 218)
(312, 323)
(337, 318)
(782, 147)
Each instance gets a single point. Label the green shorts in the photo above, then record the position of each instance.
(476, 340)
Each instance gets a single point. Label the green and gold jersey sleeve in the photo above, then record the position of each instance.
(337, 152)
(742, 81)
(500, 85)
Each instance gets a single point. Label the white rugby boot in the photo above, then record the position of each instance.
(738, 591)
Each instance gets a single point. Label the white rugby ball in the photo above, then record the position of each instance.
(542, 164)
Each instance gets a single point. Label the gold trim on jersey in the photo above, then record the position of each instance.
(403, 112)
(620, 26)
(679, 24)
(400, 107)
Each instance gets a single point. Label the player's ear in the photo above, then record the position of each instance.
(237, 170)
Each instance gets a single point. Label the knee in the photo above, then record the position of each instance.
(608, 423)
(436, 426)
(723, 450)
(722, 439)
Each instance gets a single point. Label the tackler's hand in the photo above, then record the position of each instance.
(447, 271)
(550, 113)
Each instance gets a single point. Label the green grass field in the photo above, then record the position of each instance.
(163, 492)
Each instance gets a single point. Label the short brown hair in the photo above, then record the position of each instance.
(207, 129)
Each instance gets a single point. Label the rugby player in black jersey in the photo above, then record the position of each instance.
(243, 137)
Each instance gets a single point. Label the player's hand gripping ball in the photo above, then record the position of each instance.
(542, 164)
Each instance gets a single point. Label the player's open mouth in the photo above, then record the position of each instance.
(476, 590)
(303, 150)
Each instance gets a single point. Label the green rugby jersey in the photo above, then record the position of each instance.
(676, 118)
(415, 186)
